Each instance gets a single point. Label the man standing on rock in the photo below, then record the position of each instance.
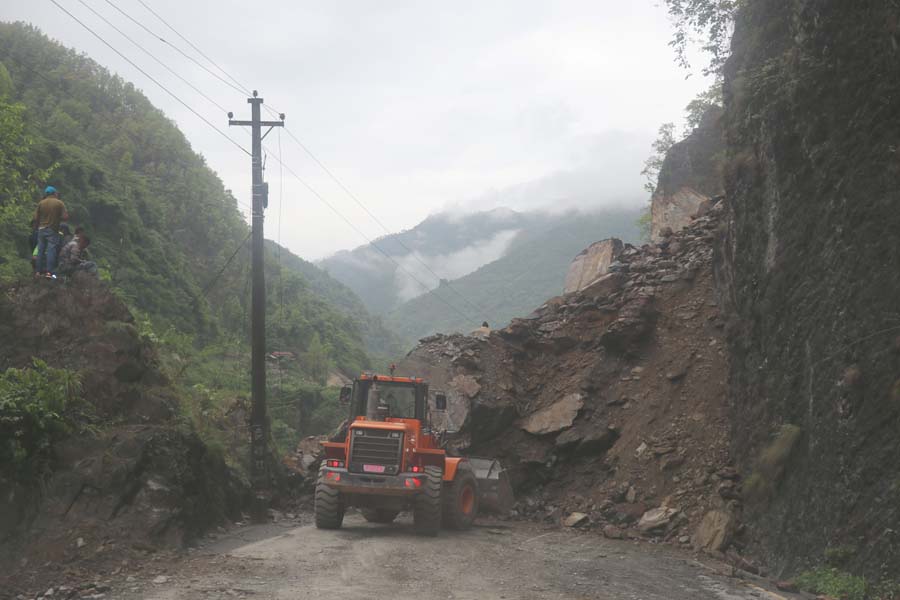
(50, 212)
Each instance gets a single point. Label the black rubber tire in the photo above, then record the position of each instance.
(427, 505)
(329, 507)
(379, 515)
(453, 499)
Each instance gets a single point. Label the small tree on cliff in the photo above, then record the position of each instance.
(713, 20)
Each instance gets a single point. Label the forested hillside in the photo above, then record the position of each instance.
(532, 270)
(169, 240)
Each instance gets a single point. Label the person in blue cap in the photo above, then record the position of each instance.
(50, 212)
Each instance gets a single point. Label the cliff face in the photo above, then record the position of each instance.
(811, 273)
(690, 175)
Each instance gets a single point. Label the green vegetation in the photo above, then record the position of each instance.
(711, 20)
(163, 228)
(834, 583)
(771, 464)
(33, 414)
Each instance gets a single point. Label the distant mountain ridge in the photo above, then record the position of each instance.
(532, 270)
(445, 244)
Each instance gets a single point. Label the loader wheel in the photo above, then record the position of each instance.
(427, 506)
(329, 507)
(379, 515)
(461, 500)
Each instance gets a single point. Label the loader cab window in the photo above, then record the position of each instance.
(398, 400)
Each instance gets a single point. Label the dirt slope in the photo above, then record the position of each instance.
(135, 479)
(609, 401)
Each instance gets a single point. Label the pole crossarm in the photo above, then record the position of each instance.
(261, 123)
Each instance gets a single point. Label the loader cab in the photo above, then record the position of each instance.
(383, 398)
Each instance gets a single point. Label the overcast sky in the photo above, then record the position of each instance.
(417, 106)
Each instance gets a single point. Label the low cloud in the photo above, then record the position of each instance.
(449, 266)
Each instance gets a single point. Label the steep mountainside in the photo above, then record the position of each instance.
(532, 270)
(812, 268)
(161, 223)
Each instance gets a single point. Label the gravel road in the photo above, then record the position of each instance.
(489, 562)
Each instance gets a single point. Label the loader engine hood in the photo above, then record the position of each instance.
(377, 447)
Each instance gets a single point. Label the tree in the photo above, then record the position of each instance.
(713, 20)
(699, 106)
(665, 139)
(317, 360)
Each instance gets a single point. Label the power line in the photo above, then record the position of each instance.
(151, 78)
(176, 48)
(241, 88)
(334, 178)
(373, 244)
(376, 219)
(151, 55)
(225, 266)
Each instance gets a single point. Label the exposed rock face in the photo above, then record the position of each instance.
(689, 177)
(566, 396)
(556, 417)
(675, 211)
(592, 263)
(140, 478)
(812, 272)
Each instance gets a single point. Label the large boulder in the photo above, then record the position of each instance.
(715, 531)
(556, 417)
(593, 262)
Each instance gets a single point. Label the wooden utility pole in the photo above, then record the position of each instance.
(259, 424)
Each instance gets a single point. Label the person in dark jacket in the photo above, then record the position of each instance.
(50, 212)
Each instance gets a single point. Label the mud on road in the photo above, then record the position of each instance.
(489, 562)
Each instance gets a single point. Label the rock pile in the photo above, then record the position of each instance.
(608, 403)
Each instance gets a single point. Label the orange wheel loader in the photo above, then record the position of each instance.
(392, 460)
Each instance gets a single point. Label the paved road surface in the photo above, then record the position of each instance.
(508, 561)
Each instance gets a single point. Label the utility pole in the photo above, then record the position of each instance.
(259, 422)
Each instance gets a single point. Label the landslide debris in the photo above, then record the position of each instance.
(134, 479)
(608, 402)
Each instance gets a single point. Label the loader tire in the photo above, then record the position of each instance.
(379, 515)
(427, 505)
(460, 498)
(329, 507)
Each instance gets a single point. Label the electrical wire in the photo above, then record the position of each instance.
(213, 281)
(376, 219)
(151, 78)
(350, 223)
(153, 56)
(281, 162)
(176, 48)
(241, 88)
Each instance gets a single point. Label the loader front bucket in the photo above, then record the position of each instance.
(495, 494)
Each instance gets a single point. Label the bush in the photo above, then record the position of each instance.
(833, 582)
(32, 405)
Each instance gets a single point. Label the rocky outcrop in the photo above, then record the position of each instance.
(608, 401)
(591, 263)
(811, 271)
(691, 174)
(130, 475)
